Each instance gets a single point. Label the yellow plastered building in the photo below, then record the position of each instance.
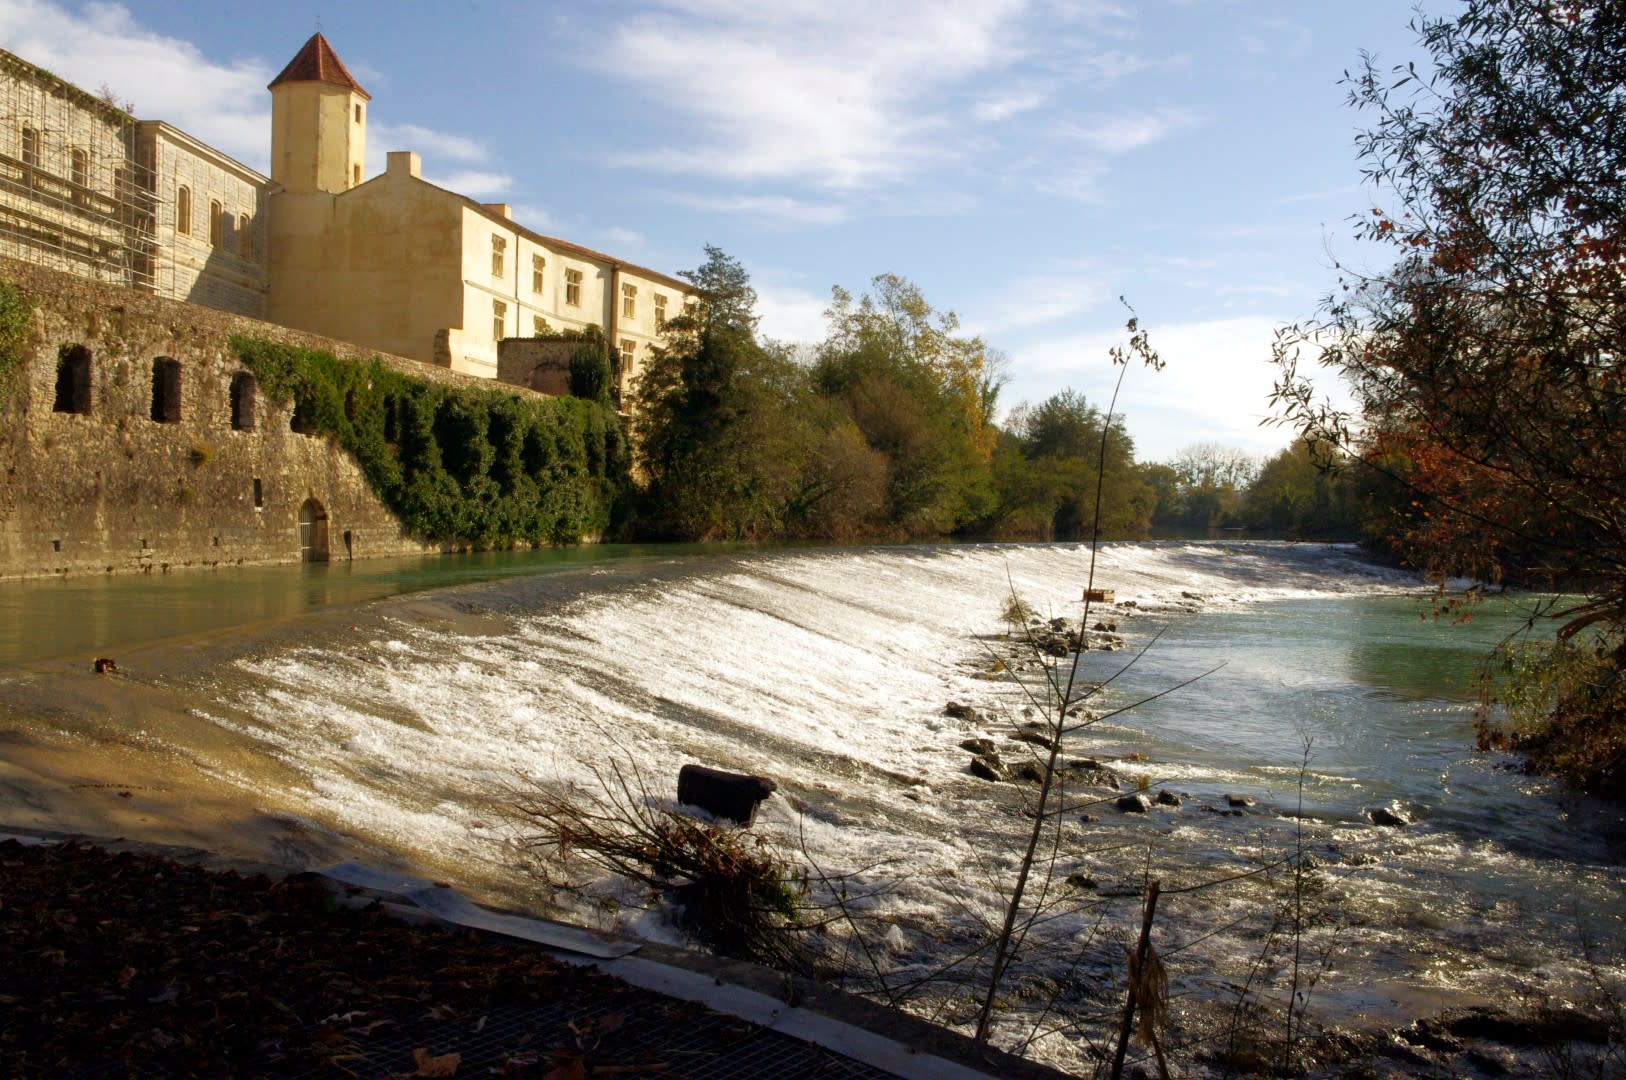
(396, 263)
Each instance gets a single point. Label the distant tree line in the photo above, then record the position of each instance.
(886, 429)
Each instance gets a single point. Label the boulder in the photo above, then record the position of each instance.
(1167, 798)
(725, 795)
(1028, 772)
(980, 746)
(1134, 804)
(1036, 738)
(987, 769)
(1382, 815)
(1238, 800)
(960, 712)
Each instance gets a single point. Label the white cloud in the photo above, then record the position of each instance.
(225, 105)
(1006, 105)
(626, 242)
(1037, 300)
(839, 93)
(1214, 387)
(427, 141)
(475, 183)
(792, 315)
(1130, 131)
(532, 216)
(1080, 182)
(780, 208)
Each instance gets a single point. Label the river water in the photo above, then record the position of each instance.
(389, 730)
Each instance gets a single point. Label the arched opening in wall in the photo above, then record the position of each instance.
(73, 380)
(166, 391)
(312, 531)
(242, 402)
(303, 421)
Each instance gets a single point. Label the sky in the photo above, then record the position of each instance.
(1026, 163)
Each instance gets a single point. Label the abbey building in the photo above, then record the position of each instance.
(390, 262)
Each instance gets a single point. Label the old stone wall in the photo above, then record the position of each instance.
(537, 364)
(138, 465)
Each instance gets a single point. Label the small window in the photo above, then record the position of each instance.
(539, 326)
(259, 494)
(499, 247)
(499, 319)
(539, 267)
(79, 173)
(183, 210)
(355, 175)
(217, 223)
(628, 349)
(31, 147)
(573, 288)
(358, 114)
(629, 301)
(660, 311)
(73, 381)
(166, 391)
(242, 402)
(245, 237)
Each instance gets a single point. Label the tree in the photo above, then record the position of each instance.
(1062, 440)
(1487, 361)
(719, 417)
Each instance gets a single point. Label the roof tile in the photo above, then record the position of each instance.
(317, 62)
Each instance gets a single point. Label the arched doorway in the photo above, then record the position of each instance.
(312, 531)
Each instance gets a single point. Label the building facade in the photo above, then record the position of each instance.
(392, 263)
(397, 263)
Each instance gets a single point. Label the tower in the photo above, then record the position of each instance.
(318, 123)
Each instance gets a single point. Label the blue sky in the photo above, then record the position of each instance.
(1025, 162)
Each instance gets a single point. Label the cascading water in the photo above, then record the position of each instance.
(829, 670)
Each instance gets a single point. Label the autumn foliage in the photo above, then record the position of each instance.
(1486, 363)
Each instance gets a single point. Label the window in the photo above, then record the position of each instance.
(31, 148)
(499, 246)
(499, 319)
(660, 311)
(73, 381)
(183, 210)
(79, 173)
(242, 402)
(573, 288)
(259, 494)
(629, 301)
(358, 114)
(538, 266)
(627, 350)
(245, 237)
(166, 391)
(217, 223)
(355, 175)
(539, 326)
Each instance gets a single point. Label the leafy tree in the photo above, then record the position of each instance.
(1487, 361)
(1303, 490)
(920, 395)
(1061, 440)
(719, 418)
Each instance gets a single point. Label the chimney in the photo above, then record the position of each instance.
(404, 161)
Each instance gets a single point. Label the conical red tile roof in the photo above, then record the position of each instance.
(317, 62)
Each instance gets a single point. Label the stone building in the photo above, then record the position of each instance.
(87, 189)
(392, 262)
(397, 263)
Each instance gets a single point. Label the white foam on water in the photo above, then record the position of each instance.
(829, 671)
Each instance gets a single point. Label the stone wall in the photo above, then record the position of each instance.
(113, 489)
(538, 364)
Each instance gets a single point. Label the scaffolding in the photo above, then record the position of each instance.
(77, 193)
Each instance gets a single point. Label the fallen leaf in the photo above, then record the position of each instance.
(566, 1066)
(436, 1065)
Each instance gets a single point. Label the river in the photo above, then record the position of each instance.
(305, 714)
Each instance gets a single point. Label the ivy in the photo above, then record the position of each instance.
(16, 322)
(472, 465)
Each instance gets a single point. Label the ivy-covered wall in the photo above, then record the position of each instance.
(456, 464)
(126, 445)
